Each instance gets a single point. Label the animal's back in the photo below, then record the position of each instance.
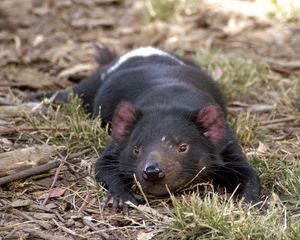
(156, 77)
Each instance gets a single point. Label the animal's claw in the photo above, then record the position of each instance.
(115, 204)
(118, 202)
(105, 201)
(125, 209)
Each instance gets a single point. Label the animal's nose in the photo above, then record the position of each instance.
(153, 172)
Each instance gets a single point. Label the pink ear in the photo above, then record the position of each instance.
(210, 118)
(125, 116)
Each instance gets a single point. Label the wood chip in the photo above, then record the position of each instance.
(13, 111)
(44, 216)
(25, 158)
(21, 203)
(42, 235)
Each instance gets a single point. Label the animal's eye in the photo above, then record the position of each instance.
(183, 148)
(136, 150)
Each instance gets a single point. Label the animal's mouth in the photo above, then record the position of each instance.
(162, 187)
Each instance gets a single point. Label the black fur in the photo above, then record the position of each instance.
(166, 97)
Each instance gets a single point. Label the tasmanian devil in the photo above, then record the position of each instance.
(168, 126)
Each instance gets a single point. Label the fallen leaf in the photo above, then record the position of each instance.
(38, 40)
(51, 206)
(262, 148)
(145, 235)
(217, 73)
(54, 193)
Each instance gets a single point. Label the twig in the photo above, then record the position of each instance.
(289, 65)
(69, 231)
(7, 228)
(12, 233)
(54, 179)
(84, 203)
(43, 224)
(43, 208)
(94, 228)
(281, 69)
(276, 155)
(22, 158)
(43, 235)
(282, 126)
(39, 169)
(29, 172)
(24, 129)
(284, 137)
(276, 121)
(6, 102)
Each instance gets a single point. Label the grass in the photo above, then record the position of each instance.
(197, 215)
(289, 97)
(162, 10)
(286, 10)
(247, 128)
(72, 127)
(210, 217)
(194, 216)
(167, 10)
(236, 75)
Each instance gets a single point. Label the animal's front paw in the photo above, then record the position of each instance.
(118, 201)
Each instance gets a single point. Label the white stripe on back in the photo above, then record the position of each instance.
(142, 52)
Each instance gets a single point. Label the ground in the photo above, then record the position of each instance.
(252, 50)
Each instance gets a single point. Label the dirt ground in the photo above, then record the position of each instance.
(47, 44)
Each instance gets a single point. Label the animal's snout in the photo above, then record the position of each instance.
(153, 172)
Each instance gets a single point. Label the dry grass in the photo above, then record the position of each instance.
(287, 10)
(72, 127)
(208, 216)
(269, 138)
